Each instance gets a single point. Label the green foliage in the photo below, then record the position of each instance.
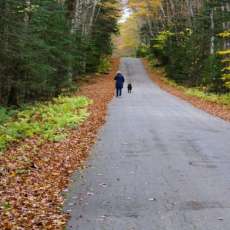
(185, 51)
(6, 206)
(105, 65)
(159, 46)
(153, 61)
(99, 44)
(3, 115)
(34, 52)
(224, 54)
(142, 51)
(6, 113)
(200, 92)
(160, 41)
(49, 120)
(174, 51)
(192, 44)
(41, 55)
(211, 74)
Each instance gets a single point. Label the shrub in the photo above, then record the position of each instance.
(104, 66)
(49, 121)
(142, 51)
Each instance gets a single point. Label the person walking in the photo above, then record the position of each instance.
(119, 78)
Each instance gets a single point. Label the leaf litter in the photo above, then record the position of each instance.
(34, 174)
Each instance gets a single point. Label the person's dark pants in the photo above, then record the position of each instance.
(129, 90)
(119, 92)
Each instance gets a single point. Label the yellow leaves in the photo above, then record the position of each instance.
(227, 68)
(226, 60)
(224, 52)
(28, 9)
(111, 9)
(225, 34)
(144, 3)
(143, 8)
(226, 77)
(129, 37)
(109, 6)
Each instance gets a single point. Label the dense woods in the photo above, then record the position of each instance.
(46, 44)
(50, 104)
(191, 39)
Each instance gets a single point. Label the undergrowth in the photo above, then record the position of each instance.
(223, 99)
(5, 114)
(212, 97)
(105, 66)
(49, 121)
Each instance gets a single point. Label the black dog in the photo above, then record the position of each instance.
(130, 87)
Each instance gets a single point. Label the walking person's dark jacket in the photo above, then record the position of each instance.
(119, 81)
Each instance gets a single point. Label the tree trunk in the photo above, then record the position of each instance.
(13, 97)
(212, 43)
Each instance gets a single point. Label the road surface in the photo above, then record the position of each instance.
(159, 164)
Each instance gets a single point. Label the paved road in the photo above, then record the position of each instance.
(159, 164)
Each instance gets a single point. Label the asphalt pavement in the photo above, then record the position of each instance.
(159, 164)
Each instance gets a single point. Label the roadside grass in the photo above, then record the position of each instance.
(222, 99)
(5, 114)
(50, 120)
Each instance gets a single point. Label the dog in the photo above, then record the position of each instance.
(130, 87)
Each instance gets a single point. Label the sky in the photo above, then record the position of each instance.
(126, 12)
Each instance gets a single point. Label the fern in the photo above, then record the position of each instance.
(49, 120)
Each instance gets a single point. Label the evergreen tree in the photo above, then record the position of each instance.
(43, 46)
(187, 38)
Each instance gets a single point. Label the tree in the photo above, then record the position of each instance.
(190, 53)
(45, 44)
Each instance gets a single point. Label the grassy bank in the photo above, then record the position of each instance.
(215, 104)
(222, 99)
(47, 120)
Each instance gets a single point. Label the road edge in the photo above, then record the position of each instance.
(212, 108)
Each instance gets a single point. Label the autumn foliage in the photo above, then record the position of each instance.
(34, 174)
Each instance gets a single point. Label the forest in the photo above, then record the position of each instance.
(189, 38)
(45, 45)
(55, 72)
(58, 59)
